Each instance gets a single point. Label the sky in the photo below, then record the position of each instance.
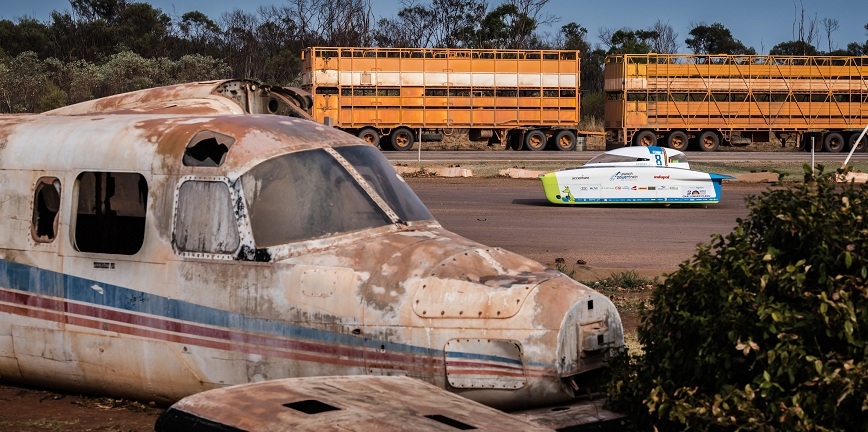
(760, 24)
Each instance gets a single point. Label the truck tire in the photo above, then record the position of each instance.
(809, 140)
(677, 140)
(370, 136)
(535, 140)
(402, 139)
(645, 138)
(861, 145)
(708, 141)
(833, 142)
(564, 140)
(513, 141)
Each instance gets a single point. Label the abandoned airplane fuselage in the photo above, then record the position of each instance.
(156, 256)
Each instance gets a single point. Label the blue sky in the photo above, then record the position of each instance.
(757, 23)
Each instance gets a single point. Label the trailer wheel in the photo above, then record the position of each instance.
(708, 141)
(861, 145)
(535, 140)
(370, 136)
(645, 138)
(809, 140)
(513, 140)
(402, 139)
(677, 140)
(833, 142)
(565, 140)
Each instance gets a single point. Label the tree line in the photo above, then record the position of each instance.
(104, 47)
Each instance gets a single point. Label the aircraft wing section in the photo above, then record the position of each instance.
(345, 403)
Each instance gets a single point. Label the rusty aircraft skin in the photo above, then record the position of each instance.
(228, 96)
(154, 256)
(344, 403)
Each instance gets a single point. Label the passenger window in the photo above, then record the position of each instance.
(205, 221)
(110, 212)
(46, 205)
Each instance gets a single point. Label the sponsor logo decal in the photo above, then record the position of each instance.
(696, 193)
(581, 178)
(623, 176)
(661, 177)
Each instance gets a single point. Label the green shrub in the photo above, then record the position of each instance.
(765, 328)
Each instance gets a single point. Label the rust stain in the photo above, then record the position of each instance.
(351, 403)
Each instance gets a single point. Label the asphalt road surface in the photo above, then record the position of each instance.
(515, 215)
(580, 157)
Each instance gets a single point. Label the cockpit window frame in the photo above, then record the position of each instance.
(385, 182)
(231, 219)
(301, 198)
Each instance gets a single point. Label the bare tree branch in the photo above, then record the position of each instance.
(830, 25)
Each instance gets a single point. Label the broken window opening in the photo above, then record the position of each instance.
(110, 212)
(46, 206)
(207, 149)
(205, 220)
(311, 406)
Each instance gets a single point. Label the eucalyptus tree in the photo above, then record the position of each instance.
(627, 41)
(715, 39)
(198, 34)
(794, 48)
(664, 40)
(440, 23)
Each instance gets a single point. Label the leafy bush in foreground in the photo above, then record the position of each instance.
(765, 328)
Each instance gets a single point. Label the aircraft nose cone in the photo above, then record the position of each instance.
(591, 328)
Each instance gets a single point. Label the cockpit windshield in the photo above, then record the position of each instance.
(678, 158)
(309, 194)
(608, 158)
(640, 157)
(306, 195)
(377, 171)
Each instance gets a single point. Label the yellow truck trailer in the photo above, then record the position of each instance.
(393, 97)
(675, 99)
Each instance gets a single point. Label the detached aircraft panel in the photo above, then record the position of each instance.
(336, 403)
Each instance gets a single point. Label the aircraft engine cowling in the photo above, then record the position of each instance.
(511, 330)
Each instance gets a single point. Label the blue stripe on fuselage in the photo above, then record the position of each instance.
(48, 283)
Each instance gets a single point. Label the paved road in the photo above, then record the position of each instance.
(554, 156)
(515, 215)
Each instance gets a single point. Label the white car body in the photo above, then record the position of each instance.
(633, 175)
